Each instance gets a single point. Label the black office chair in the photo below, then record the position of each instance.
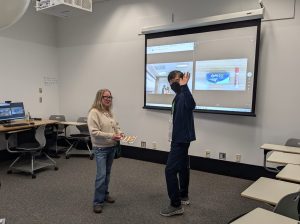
(31, 150)
(82, 138)
(60, 132)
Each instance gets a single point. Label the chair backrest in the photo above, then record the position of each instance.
(83, 128)
(295, 142)
(57, 117)
(60, 127)
(288, 206)
(40, 135)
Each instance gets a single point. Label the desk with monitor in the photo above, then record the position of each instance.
(25, 125)
(28, 150)
(12, 118)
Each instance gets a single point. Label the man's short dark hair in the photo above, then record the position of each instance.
(173, 74)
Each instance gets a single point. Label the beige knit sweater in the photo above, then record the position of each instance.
(102, 128)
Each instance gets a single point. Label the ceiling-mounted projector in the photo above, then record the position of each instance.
(64, 8)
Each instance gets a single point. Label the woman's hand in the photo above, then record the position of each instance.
(116, 137)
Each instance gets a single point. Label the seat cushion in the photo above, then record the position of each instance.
(28, 145)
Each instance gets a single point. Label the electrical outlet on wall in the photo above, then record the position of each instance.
(238, 158)
(143, 144)
(207, 153)
(222, 155)
(154, 145)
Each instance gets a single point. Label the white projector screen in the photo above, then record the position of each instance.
(222, 60)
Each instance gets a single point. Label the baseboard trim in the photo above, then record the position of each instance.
(227, 168)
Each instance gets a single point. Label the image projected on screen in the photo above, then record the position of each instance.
(222, 60)
(221, 75)
(157, 81)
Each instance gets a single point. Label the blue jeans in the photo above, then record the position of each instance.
(178, 164)
(104, 159)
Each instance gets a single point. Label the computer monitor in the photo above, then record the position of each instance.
(11, 111)
(5, 112)
(17, 110)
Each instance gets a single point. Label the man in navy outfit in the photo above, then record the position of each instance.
(183, 132)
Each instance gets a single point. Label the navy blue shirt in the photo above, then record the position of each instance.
(183, 118)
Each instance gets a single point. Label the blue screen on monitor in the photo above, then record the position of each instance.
(17, 110)
(11, 111)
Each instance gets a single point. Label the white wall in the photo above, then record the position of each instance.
(104, 50)
(28, 53)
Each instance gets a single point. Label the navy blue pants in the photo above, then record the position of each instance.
(178, 164)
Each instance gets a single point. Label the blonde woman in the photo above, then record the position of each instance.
(105, 133)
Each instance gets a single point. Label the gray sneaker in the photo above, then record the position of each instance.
(170, 211)
(185, 201)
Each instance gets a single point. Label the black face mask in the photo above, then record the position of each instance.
(175, 86)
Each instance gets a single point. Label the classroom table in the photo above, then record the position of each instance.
(27, 125)
(284, 158)
(290, 172)
(264, 216)
(281, 148)
(74, 123)
(269, 190)
(278, 148)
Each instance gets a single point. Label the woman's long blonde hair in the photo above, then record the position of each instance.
(98, 102)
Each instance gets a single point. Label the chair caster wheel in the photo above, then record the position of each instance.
(33, 176)
(91, 157)
(67, 157)
(56, 168)
(9, 172)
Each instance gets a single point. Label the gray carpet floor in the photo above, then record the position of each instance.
(65, 196)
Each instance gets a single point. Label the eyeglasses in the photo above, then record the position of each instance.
(107, 97)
